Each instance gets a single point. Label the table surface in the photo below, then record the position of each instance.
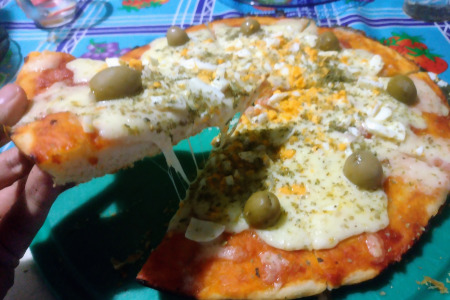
(110, 28)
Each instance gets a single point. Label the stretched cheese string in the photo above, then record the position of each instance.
(193, 154)
(172, 160)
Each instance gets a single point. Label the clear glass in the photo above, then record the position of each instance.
(428, 10)
(49, 13)
(284, 3)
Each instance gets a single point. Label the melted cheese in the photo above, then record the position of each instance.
(84, 69)
(428, 100)
(428, 179)
(172, 161)
(46, 61)
(203, 231)
(328, 209)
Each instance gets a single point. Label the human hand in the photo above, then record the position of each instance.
(26, 192)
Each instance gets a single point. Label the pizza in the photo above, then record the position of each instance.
(337, 163)
(88, 118)
(323, 182)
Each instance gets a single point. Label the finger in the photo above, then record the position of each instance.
(13, 103)
(8, 198)
(3, 136)
(32, 204)
(13, 165)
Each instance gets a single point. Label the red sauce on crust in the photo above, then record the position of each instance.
(50, 76)
(438, 126)
(35, 81)
(236, 267)
(59, 137)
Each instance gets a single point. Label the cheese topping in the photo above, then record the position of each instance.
(428, 100)
(46, 61)
(203, 231)
(84, 69)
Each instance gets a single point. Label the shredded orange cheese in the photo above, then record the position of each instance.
(312, 53)
(184, 52)
(135, 64)
(296, 189)
(272, 115)
(340, 96)
(296, 79)
(287, 153)
(342, 146)
(206, 76)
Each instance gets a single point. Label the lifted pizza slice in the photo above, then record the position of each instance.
(88, 118)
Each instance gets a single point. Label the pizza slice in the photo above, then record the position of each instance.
(323, 183)
(88, 118)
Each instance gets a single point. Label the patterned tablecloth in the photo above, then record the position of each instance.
(110, 28)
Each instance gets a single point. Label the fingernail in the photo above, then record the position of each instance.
(8, 93)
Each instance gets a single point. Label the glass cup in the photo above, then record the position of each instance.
(283, 3)
(49, 13)
(428, 10)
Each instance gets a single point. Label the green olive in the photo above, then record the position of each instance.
(402, 88)
(364, 169)
(328, 41)
(116, 82)
(176, 36)
(262, 209)
(250, 26)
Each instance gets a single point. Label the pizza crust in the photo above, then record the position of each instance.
(223, 269)
(394, 62)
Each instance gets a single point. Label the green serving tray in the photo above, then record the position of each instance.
(99, 234)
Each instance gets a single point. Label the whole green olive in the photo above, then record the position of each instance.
(176, 36)
(250, 26)
(328, 41)
(403, 89)
(262, 209)
(116, 82)
(364, 169)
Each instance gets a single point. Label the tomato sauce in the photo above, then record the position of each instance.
(60, 74)
(198, 269)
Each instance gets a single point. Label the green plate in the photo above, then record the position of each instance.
(98, 235)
